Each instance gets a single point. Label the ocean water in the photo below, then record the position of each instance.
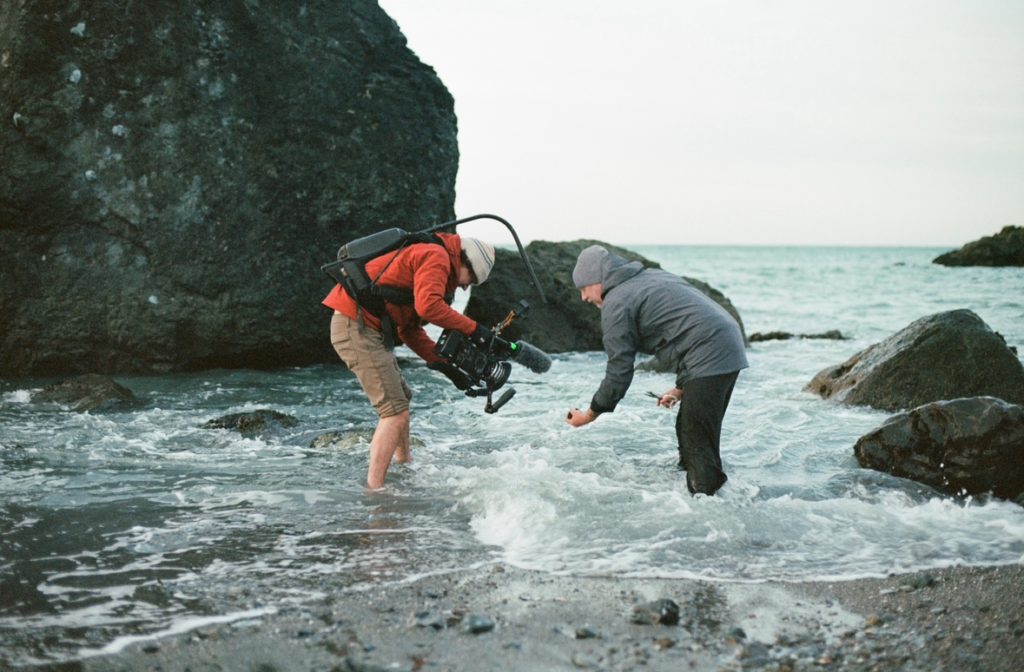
(124, 526)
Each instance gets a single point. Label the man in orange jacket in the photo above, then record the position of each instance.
(363, 340)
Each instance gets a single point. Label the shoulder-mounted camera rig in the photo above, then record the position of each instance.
(485, 361)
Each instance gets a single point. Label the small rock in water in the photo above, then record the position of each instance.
(585, 633)
(253, 423)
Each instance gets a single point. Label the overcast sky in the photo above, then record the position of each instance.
(733, 122)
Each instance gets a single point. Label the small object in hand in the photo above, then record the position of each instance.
(652, 394)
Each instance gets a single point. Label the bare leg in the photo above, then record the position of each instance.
(402, 454)
(390, 434)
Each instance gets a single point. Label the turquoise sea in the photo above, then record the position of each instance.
(128, 525)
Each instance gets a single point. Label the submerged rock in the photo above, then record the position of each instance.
(253, 423)
(175, 174)
(943, 356)
(564, 323)
(830, 335)
(964, 446)
(91, 392)
(352, 438)
(1005, 248)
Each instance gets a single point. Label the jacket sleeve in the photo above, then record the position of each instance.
(430, 280)
(415, 336)
(620, 336)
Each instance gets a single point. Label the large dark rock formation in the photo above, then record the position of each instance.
(964, 446)
(565, 323)
(943, 356)
(174, 173)
(1006, 248)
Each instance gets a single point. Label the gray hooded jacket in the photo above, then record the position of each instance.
(654, 312)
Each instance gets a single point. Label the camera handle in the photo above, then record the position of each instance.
(492, 406)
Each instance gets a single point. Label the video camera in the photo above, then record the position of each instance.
(486, 363)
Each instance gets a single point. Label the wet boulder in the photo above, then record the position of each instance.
(175, 173)
(91, 392)
(1005, 248)
(943, 356)
(564, 323)
(253, 423)
(963, 446)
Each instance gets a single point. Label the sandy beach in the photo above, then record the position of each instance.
(500, 618)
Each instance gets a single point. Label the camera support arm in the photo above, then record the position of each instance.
(515, 236)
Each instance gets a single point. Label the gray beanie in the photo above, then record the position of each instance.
(588, 266)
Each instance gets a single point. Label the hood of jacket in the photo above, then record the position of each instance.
(615, 270)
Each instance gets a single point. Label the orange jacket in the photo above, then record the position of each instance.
(431, 271)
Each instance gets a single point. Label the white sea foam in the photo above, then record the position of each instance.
(177, 628)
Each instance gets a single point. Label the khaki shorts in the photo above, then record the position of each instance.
(374, 365)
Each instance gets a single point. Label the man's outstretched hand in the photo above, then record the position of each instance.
(578, 418)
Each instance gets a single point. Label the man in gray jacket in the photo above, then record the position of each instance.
(654, 312)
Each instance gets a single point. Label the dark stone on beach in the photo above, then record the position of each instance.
(479, 623)
(91, 392)
(586, 633)
(1005, 248)
(253, 423)
(755, 655)
(564, 323)
(920, 581)
(174, 174)
(429, 619)
(832, 335)
(353, 664)
(738, 633)
(965, 446)
(658, 612)
(943, 356)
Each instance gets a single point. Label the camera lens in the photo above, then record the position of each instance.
(497, 374)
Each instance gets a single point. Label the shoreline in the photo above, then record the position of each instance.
(502, 618)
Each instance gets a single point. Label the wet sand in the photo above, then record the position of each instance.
(500, 618)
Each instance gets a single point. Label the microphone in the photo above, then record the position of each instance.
(530, 356)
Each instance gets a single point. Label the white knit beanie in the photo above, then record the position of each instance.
(481, 257)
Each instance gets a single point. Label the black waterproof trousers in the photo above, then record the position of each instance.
(699, 429)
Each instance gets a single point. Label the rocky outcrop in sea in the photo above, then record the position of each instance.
(88, 393)
(943, 356)
(966, 446)
(564, 323)
(174, 174)
(1005, 248)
